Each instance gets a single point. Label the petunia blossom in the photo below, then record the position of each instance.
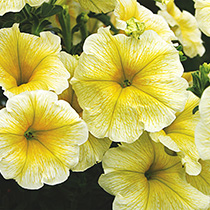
(202, 131)
(179, 136)
(184, 26)
(125, 86)
(17, 5)
(29, 62)
(127, 9)
(39, 139)
(142, 176)
(202, 15)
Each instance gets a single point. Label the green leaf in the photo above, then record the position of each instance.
(200, 80)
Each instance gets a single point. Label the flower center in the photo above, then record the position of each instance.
(148, 174)
(29, 135)
(126, 83)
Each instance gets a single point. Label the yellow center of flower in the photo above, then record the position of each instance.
(126, 83)
(29, 135)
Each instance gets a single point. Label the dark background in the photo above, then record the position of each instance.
(80, 191)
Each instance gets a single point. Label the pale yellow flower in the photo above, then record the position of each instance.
(125, 86)
(29, 62)
(17, 5)
(92, 151)
(179, 136)
(127, 9)
(202, 15)
(39, 139)
(202, 181)
(202, 131)
(98, 6)
(142, 176)
(185, 28)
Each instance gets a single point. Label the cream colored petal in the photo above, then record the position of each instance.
(202, 140)
(204, 106)
(32, 58)
(191, 35)
(179, 136)
(202, 131)
(154, 70)
(13, 150)
(98, 6)
(131, 8)
(202, 14)
(41, 166)
(167, 188)
(91, 152)
(17, 5)
(202, 181)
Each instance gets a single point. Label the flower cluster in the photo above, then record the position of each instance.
(92, 81)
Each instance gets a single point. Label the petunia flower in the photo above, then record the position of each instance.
(184, 26)
(17, 5)
(29, 62)
(125, 86)
(98, 6)
(92, 151)
(39, 139)
(127, 9)
(142, 176)
(179, 136)
(202, 131)
(202, 15)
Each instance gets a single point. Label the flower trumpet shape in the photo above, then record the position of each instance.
(17, 5)
(39, 139)
(29, 62)
(185, 27)
(142, 176)
(125, 86)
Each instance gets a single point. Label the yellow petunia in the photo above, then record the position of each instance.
(142, 176)
(179, 136)
(202, 131)
(29, 62)
(92, 151)
(39, 139)
(125, 86)
(202, 15)
(184, 26)
(127, 9)
(17, 5)
(98, 6)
